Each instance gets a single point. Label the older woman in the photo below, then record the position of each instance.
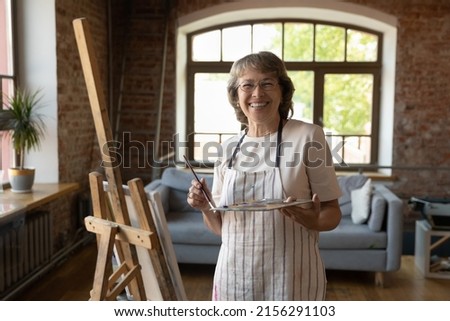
(270, 255)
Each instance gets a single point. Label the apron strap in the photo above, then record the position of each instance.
(237, 148)
(280, 130)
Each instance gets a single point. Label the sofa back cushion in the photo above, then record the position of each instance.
(179, 181)
(347, 185)
(377, 212)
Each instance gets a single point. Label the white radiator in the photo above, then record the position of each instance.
(25, 245)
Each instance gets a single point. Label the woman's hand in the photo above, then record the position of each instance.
(196, 199)
(305, 214)
(195, 196)
(321, 216)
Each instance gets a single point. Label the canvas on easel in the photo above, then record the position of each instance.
(148, 274)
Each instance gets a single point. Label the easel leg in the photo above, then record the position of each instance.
(100, 209)
(102, 270)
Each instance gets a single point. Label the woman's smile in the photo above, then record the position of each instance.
(258, 105)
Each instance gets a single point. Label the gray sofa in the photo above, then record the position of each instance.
(374, 245)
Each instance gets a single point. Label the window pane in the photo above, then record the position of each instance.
(206, 46)
(267, 37)
(303, 94)
(207, 147)
(298, 41)
(361, 46)
(213, 114)
(348, 103)
(7, 88)
(330, 43)
(357, 149)
(6, 60)
(7, 81)
(350, 149)
(348, 112)
(5, 140)
(236, 42)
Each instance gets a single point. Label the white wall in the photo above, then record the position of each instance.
(37, 70)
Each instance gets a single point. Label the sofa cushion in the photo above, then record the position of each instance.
(352, 236)
(377, 212)
(347, 184)
(361, 203)
(188, 228)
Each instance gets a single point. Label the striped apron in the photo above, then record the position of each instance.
(264, 255)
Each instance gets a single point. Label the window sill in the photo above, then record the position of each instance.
(14, 204)
(375, 176)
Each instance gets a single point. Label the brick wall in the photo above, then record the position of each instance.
(78, 152)
(77, 140)
(139, 52)
(422, 97)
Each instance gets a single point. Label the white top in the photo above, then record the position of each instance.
(306, 164)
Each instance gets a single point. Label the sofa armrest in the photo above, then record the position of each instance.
(163, 191)
(394, 227)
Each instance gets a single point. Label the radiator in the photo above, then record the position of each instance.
(25, 246)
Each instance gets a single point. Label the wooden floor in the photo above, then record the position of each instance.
(72, 281)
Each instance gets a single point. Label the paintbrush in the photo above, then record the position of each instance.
(198, 180)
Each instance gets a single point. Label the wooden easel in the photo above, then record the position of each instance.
(111, 221)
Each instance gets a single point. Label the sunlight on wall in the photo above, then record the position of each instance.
(37, 61)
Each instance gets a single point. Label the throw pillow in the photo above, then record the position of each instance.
(377, 212)
(361, 203)
(347, 184)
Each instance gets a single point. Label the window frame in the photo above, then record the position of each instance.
(320, 69)
(12, 20)
(6, 148)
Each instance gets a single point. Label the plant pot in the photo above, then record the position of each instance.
(21, 180)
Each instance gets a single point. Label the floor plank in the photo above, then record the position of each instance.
(72, 281)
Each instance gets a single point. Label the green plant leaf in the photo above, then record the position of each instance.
(22, 120)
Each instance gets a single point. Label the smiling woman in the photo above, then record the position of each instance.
(262, 249)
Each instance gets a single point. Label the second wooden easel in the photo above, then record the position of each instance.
(111, 221)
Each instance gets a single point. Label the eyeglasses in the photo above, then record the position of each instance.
(266, 85)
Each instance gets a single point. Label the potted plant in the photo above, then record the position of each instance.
(21, 119)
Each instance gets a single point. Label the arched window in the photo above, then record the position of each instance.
(335, 69)
(341, 59)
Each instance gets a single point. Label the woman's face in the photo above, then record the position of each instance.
(259, 96)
